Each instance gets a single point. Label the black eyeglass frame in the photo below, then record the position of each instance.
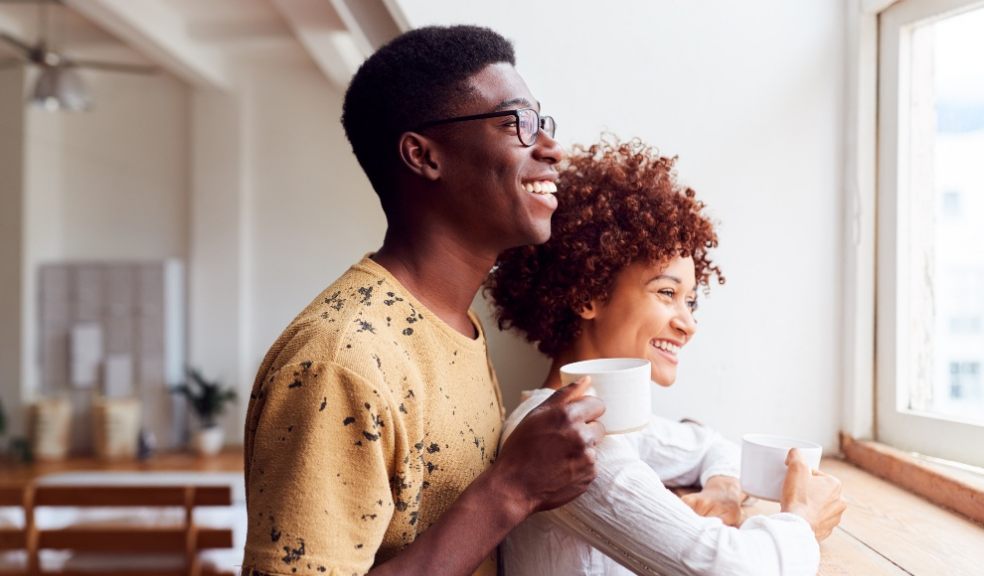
(545, 123)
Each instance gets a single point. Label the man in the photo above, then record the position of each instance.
(374, 419)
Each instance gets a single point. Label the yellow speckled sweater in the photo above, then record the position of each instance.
(368, 417)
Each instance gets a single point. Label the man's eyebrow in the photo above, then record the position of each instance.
(523, 103)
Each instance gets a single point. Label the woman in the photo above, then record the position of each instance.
(619, 278)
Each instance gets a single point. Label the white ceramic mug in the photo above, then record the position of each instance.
(763, 462)
(623, 384)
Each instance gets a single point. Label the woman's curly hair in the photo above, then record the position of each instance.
(619, 204)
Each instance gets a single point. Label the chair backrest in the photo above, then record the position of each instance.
(186, 538)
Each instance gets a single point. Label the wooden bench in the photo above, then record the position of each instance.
(185, 540)
(14, 538)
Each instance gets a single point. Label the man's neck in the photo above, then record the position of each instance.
(443, 274)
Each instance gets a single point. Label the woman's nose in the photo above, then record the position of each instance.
(685, 323)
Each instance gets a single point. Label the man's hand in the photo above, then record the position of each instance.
(721, 497)
(812, 494)
(549, 459)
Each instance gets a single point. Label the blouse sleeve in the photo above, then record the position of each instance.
(629, 515)
(684, 453)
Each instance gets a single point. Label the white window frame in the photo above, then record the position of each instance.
(929, 434)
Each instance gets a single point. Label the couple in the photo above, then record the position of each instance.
(374, 425)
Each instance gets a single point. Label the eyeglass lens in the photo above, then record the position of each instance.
(528, 126)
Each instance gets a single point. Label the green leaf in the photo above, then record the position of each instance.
(208, 399)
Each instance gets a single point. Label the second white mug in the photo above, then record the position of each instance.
(763, 462)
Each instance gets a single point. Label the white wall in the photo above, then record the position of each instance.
(216, 309)
(111, 183)
(313, 213)
(280, 209)
(11, 245)
(750, 96)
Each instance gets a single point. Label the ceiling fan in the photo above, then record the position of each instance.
(58, 86)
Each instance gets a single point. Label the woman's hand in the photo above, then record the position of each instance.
(721, 497)
(812, 494)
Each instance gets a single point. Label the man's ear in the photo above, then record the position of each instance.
(420, 155)
(589, 311)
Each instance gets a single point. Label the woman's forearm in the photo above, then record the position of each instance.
(659, 534)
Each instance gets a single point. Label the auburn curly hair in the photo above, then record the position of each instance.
(619, 204)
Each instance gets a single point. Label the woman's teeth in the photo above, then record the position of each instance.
(666, 346)
(541, 187)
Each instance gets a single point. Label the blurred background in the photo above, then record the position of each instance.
(207, 192)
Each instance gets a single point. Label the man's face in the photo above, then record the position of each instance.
(489, 177)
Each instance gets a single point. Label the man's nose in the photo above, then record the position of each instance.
(547, 149)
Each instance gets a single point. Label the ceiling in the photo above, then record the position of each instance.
(200, 40)
(65, 27)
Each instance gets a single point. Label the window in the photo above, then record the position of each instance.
(930, 259)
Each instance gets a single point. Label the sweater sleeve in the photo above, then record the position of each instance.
(319, 448)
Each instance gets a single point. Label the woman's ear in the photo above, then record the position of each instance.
(589, 311)
(419, 154)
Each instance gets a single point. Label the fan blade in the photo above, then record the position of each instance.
(111, 66)
(17, 43)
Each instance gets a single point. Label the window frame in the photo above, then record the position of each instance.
(930, 434)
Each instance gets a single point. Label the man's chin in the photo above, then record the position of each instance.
(540, 232)
(542, 238)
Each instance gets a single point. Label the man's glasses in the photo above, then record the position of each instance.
(528, 123)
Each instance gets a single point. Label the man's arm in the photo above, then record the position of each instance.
(547, 461)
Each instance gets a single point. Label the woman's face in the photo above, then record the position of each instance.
(649, 315)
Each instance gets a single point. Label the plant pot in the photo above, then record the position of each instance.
(208, 441)
(115, 427)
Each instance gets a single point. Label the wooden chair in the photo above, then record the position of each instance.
(14, 538)
(186, 539)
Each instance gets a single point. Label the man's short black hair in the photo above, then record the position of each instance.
(419, 76)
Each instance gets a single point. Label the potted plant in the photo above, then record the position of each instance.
(208, 400)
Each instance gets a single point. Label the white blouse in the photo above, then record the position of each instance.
(629, 522)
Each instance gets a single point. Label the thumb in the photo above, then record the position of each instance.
(572, 391)
(794, 456)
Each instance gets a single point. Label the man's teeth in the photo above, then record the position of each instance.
(666, 346)
(541, 187)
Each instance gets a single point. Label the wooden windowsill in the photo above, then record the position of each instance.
(888, 530)
(961, 492)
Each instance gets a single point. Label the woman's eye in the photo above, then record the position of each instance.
(692, 304)
(668, 292)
